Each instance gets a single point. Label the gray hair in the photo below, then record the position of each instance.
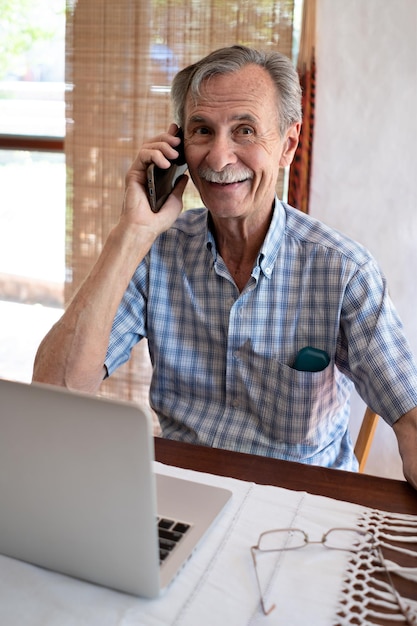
(231, 59)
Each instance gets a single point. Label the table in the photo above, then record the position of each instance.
(370, 491)
(380, 493)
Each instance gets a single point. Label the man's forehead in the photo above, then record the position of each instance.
(248, 78)
(242, 91)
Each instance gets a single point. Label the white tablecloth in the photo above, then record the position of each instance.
(217, 587)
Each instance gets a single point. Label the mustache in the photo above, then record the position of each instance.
(226, 176)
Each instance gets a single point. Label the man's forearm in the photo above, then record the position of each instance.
(72, 353)
(406, 431)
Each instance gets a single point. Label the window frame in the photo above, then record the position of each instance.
(32, 143)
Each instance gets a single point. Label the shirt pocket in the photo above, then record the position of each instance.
(305, 408)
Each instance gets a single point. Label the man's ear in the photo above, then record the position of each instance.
(290, 144)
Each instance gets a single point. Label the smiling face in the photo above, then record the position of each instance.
(233, 145)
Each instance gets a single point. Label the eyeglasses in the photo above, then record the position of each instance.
(345, 539)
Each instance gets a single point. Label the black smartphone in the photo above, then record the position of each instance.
(161, 182)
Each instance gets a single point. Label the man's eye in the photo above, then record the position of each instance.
(201, 131)
(244, 130)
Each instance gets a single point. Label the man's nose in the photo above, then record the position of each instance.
(220, 152)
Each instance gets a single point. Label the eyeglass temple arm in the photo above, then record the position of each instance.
(258, 582)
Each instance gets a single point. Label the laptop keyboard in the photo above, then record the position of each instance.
(170, 534)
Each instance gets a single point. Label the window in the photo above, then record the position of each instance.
(32, 178)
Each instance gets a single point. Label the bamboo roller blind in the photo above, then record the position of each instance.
(121, 57)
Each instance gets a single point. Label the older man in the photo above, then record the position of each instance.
(230, 295)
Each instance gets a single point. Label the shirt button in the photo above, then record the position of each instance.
(268, 271)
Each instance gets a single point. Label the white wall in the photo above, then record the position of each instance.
(364, 179)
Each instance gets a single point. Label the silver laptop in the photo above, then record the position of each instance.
(78, 493)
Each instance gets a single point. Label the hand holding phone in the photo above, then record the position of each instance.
(162, 181)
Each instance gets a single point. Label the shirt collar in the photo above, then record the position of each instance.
(272, 242)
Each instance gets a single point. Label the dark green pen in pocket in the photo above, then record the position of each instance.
(311, 359)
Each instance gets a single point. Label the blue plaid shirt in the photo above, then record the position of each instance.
(222, 359)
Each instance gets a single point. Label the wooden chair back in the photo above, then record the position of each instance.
(365, 437)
